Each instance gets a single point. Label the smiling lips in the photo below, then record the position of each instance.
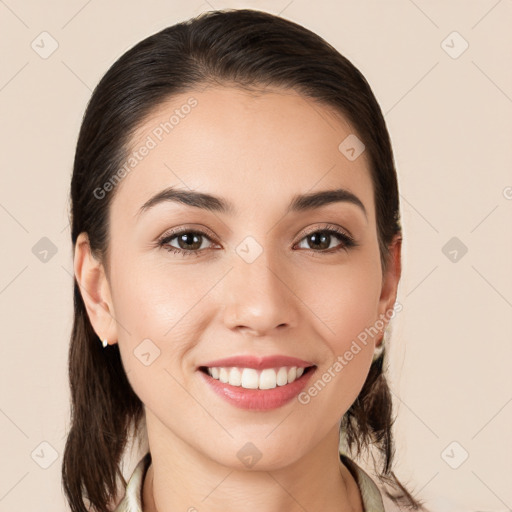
(259, 383)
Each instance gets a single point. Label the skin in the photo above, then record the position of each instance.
(256, 150)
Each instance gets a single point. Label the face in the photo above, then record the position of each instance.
(259, 278)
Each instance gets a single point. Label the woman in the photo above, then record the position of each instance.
(236, 234)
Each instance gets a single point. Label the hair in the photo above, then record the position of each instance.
(241, 48)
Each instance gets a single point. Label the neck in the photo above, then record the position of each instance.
(180, 478)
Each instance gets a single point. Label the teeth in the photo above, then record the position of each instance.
(268, 379)
(235, 377)
(223, 375)
(282, 377)
(249, 378)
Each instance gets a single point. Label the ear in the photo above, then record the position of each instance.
(390, 280)
(95, 289)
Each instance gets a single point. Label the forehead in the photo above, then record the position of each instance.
(264, 146)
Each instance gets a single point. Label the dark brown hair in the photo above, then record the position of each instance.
(242, 48)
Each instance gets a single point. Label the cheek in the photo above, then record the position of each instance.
(159, 317)
(157, 321)
(345, 305)
(345, 300)
(152, 299)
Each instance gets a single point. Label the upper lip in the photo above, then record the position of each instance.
(258, 362)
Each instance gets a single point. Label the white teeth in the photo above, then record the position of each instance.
(268, 379)
(223, 375)
(250, 378)
(235, 377)
(282, 377)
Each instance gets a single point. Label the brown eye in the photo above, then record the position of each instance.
(321, 240)
(188, 242)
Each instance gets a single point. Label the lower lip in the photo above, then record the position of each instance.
(258, 399)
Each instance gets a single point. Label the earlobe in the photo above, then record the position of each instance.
(95, 290)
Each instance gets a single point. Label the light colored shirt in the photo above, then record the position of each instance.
(370, 494)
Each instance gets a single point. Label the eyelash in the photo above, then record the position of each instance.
(347, 242)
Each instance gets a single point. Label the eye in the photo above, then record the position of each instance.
(320, 240)
(190, 242)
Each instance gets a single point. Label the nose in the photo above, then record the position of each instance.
(258, 297)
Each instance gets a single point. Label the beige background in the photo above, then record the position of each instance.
(450, 124)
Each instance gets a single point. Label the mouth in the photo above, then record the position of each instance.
(256, 389)
(252, 378)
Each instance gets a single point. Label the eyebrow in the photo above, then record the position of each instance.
(299, 203)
